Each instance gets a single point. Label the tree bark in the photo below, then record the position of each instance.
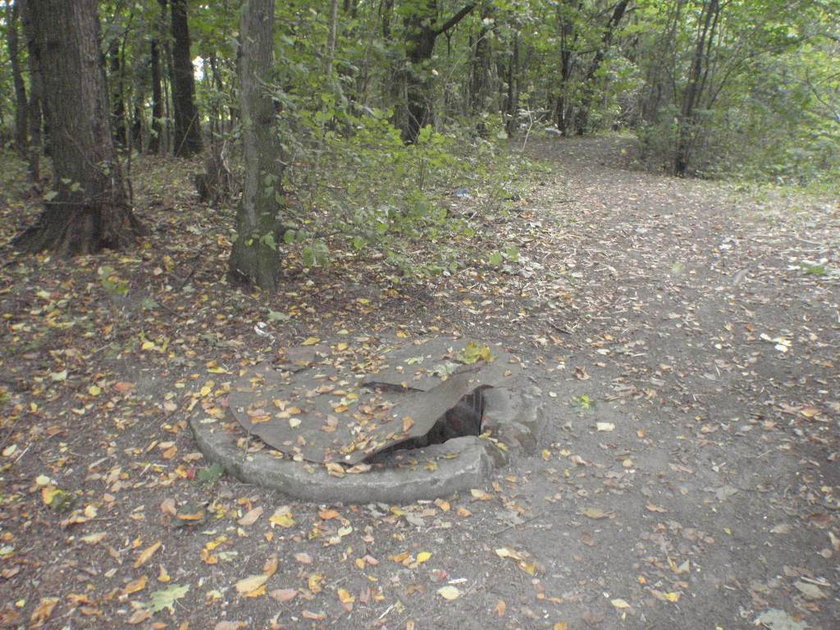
(88, 210)
(421, 32)
(21, 104)
(187, 125)
(36, 91)
(255, 258)
(696, 85)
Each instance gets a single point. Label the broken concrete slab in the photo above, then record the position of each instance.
(364, 420)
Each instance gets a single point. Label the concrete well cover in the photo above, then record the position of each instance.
(336, 403)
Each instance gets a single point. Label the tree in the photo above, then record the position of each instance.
(422, 28)
(21, 105)
(187, 126)
(87, 209)
(254, 258)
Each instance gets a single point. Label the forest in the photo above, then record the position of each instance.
(347, 117)
(590, 247)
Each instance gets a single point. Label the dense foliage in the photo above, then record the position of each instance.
(383, 106)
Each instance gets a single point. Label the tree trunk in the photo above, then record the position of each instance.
(118, 115)
(588, 87)
(157, 98)
(89, 210)
(255, 258)
(36, 91)
(187, 127)
(512, 99)
(421, 31)
(21, 105)
(698, 73)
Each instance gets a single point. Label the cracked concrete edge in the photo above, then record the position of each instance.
(312, 482)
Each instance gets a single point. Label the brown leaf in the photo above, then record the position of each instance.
(147, 553)
(500, 608)
(43, 611)
(167, 506)
(250, 517)
(135, 586)
(230, 625)
(283, 594)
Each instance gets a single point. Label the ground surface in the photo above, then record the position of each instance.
(685, 334)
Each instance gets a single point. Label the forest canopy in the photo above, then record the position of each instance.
(369, 103)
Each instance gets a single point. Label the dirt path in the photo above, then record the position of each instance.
(685, 336)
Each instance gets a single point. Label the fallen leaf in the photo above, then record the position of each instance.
(303, 558)
(42, 613)
(561, 625)
(313, 616)
(135, 586)
(449, 592)
(310, 341)
(251, 584)
(326, 515)
(166, 598)
(147, 553)
(167, 506)
(596, 513)
(283, 517)
(810, 591)
(480, 495)
(620, 604)
(500, 608)
(650, 507)
(604, 426)
(283, 594)
(345, 596)
(423, 556)
(230, 625)
(250, 517)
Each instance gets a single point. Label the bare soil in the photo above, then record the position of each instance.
(684, 333)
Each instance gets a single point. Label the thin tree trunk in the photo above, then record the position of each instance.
(36, 90)
(696, 85)
(187, 125)
(512, 99)
(157, 98)
(21, 104)
(88, 210)
(255, 258)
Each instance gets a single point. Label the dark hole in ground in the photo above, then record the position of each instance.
(461, 420)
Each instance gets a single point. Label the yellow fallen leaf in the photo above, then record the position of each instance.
(147, 553)
(283, 517)
(163, 576)
(423, 556)
(672, 597)
(507, 552)
(251, 583)
(314, 582)
(326, 515)
(407, 423)
(619, 603)
(92, 539)
(449, 592)
(561, 625)
(43, 611)
(500, 608)
(345, 596)
(94, 390)
(310, 341)
(595, 513)
(480, 495)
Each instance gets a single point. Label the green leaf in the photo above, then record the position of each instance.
(211, 474)
(166, 597)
